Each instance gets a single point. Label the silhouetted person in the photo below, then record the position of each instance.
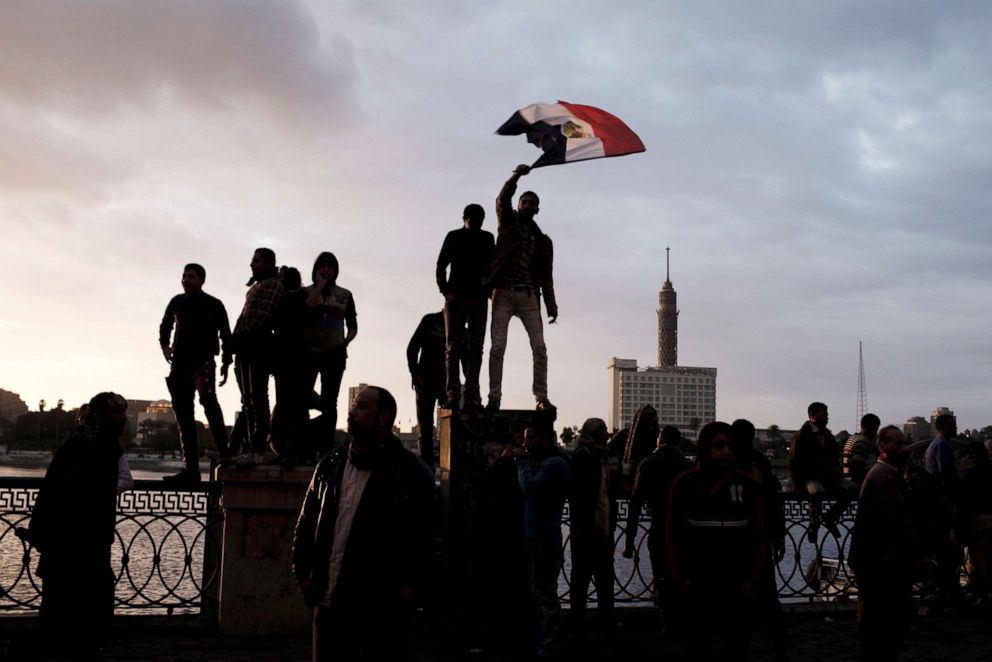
(255, 350)
(885, 552)
(72, 526)
(202, 331)
(291, 413)
(425, 357)
(752, 461)
(975, 521)
(939, 462)
(520, 272)
(591, 519)
(330, 325)
(715, 547)
(634, 443)
(362, 541)
(543, 474)
(859, 450)
(467, 251)
(814, 465)
(654, 478)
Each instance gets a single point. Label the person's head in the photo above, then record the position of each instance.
(528, 204)
(371, 416)
(595, 429)
(713, 445)
(946, 425)
(325, 266)
(869, 425)
(818, 415)
(538, 439)
(473, 216)
(106, 415)
(290, 278)
(262, 262)
(891, 444)
(743, 434)
(193, 277)
(669, 436)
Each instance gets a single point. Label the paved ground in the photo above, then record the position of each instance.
(814, 638)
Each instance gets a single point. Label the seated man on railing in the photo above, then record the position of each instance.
(73, 525)
(814, 465)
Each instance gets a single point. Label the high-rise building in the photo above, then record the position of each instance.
(353, 392)
(684, 396)
(917, 428)
(939, 411)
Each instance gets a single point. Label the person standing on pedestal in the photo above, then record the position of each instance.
(329, 325)
(202, 331)
(520, 273)
(425, 358)
(467, 251)
(255, 351)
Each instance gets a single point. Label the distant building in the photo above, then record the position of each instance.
(918, 428)
(684, 396)
(353, 392)
(408, 439)
(135, 408)
(11, 405)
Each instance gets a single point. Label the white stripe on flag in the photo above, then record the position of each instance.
(579, 149)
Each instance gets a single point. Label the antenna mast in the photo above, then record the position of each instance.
(862, 389)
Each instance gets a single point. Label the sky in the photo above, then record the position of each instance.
(820, 170)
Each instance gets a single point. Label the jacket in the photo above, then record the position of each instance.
(591, 510)
(884, 539)
(390, 538)
(509, 237)
(811, 460)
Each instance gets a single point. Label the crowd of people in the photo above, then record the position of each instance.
(364, 536)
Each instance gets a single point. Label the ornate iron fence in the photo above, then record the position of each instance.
(166, 552)
(813, 570)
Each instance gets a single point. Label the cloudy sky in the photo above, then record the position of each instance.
(820, 170)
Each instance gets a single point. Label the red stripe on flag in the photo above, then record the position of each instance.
(617, 137)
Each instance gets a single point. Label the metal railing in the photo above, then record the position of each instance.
(811, 570)
(165, 554)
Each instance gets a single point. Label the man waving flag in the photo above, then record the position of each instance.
(571, 132)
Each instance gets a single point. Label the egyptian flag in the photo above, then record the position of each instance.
(569, 132)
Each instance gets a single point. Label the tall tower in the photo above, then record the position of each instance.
(668, 320)
(862, 389)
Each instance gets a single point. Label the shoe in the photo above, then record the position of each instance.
(831, 528)
(183, 479)
(247, 460)
(492, 406)
(545, 405)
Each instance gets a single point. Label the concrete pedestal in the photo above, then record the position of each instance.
(485, 582)
(258, 595)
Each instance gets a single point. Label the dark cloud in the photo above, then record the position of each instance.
(108, 55)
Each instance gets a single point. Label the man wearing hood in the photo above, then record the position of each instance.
(254, 347)
(363, 537)
(73, 525)
(591, 511)
(329, 325)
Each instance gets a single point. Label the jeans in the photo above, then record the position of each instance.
(843, 490)
(252, 372)
(526, 306)
(427, 399)
(184, 381)
(459, 313)
(543, 565)
(330, 366)
(592, 558)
